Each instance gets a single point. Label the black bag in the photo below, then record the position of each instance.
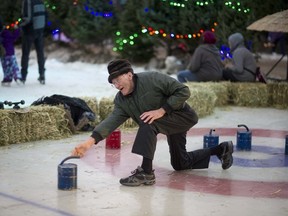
(78, 109)
(260, 77)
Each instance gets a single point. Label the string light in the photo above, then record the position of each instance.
(49, 6)
(236, 6)
(154, 32)
(232, 5)
(96, 13)
(12, 25)
(175, 4)
(225, 52)
(19, 20)
(121, 42)
(204, 3)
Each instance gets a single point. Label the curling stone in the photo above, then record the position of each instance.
(244, 139)
(210, 140)
(67, 174)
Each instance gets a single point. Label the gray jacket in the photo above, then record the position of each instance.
(206, 63)
(152, 91)
(33, 15)
(242, 58)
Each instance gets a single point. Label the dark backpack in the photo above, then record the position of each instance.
(77, 107)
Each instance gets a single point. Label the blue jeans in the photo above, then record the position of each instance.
(186, 75)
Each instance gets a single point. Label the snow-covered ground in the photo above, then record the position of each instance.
(77, 79)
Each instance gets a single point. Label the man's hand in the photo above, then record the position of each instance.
(82, 148)
(150, 116)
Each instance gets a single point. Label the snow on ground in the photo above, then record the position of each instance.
(77, 79)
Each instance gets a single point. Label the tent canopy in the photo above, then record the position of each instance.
(277, 22)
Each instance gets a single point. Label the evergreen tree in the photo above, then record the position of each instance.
(85, 21)
(89, 21)
(130, 42)
(10, 11)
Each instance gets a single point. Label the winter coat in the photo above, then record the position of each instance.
(33, 15)
(152, 91)
(206, 63)
(242, 58)
(9, 37)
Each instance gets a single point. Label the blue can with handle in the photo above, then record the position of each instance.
(244, 138)
(210, 140)
(67, 174)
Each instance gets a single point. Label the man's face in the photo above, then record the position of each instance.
(124, 83)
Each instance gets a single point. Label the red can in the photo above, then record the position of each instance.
(113, 141)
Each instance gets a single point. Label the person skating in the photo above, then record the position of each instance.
(9, 62)
(34, 21)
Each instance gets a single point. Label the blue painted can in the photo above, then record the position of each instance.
(67, 175)
(244, 139)
(286, 145)
(210, 140)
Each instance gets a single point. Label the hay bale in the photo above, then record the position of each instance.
(221, 89)
(5, 123)
(106, 106)
(249, 94)
(92, 102)
(34, 123)
(130, 123)
(278, 94)
(56, 117)
(202, 100)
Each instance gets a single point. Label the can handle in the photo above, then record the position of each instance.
(210, 133)
(242, 125)
(70, 157)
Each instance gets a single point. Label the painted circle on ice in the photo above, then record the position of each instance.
(119, 162)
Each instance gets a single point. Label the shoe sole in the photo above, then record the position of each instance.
(150, 182)
(230, 152)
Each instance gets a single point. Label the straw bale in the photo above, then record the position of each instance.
(221, 89)
(33, 123)
(5, 122)
(249, 94)
(106, 106)
(202, 100)
(130, 123)
(278, 94)
(92, 102)
(56, 117)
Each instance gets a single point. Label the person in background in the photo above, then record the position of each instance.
(2, 49)
(242, 67)
(157, 103)
(34, 21)
(276, 39)
(9, 62)
(178, 60)
(205, 64)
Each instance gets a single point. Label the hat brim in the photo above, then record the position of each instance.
(115, 75)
